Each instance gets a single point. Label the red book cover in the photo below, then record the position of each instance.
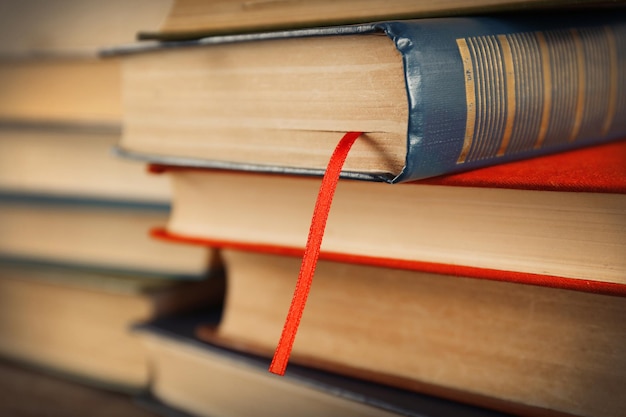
(600, 169)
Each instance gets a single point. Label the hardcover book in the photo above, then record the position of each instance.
(523, 349)
(103, 234)
(559, 216)
(431, 96)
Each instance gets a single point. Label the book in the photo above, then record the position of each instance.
(61, 91)
(102, 234)
(558, 216)
(76, 322)
(28, 392)
(524, 349)
(188, 18)
(431, 96)
(64, 198)
(207, 380)
(59, 120)
(35, 28)
(75, 162)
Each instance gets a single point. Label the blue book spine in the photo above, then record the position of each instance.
(489, 90)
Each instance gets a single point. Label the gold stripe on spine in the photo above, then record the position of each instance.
(470, 98)
(498, 94)
(536, 89)
(619, 121)
(598, 81)
(478, 54)
(490, 101)
(477, 50)
(580, 102)
(509, 70)
(613, 80)
(529, 88)
(565, 79)
(546, 69)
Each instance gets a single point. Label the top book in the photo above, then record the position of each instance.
(83, 27)
(207, 17)
(432, 96)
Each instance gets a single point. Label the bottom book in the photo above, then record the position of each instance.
(76, 322)
(203, 379)
(524, 349)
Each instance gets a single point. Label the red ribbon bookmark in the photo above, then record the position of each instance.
(311, 252)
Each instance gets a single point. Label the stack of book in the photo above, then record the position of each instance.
(473, 259)
(77, 267)
(501, 287)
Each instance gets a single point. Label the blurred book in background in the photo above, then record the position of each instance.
(77, 266)
(75, 322)
(29, 392)
(74, 27)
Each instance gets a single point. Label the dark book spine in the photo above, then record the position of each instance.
(486, 90)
